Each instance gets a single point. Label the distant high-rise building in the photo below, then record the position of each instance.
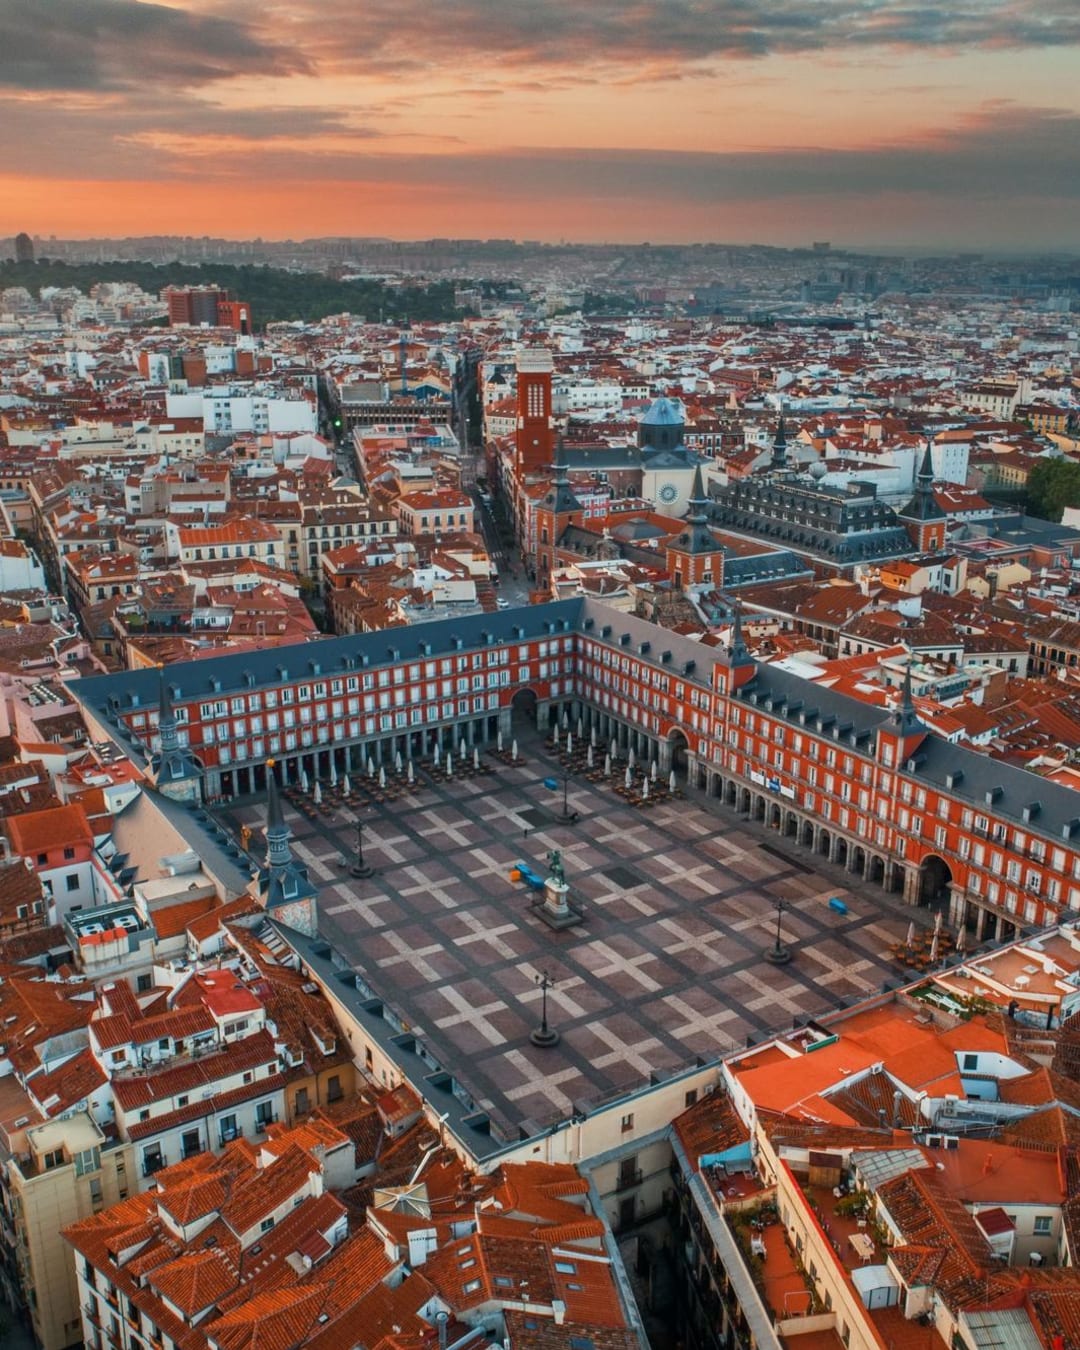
(206, 305)
(24, 248)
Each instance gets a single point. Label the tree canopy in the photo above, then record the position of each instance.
(1053, 484)
(273, 293)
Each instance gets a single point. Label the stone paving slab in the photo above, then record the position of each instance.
(667, 965)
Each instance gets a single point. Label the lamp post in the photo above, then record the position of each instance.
(543, 1035)
(778, 954)
(360, 868)
(568, 816)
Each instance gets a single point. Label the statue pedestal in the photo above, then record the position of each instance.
(555, 909)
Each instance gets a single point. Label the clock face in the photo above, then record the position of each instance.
(668, 493)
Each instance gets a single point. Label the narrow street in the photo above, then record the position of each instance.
(513, 585)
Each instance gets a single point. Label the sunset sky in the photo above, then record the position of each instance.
(939, 123)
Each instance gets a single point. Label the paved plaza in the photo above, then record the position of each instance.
(667, 966)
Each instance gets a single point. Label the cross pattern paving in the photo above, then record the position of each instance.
(667, 966)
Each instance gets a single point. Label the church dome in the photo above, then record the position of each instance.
(664, 412)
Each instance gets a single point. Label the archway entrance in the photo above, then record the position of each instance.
(935, 878)
(523, 708)
(679, 747)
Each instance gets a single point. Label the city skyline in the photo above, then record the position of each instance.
(881, 125)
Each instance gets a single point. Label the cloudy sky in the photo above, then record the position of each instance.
(927, 123)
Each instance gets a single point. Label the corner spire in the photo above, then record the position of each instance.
(926, 471)
(275, 817)
(561, 499)
(278, 852)
(779, 445)
(283, 883)
(170, 741)
(905, 716)
(177, 772)
(738, 651)
(741, 668)
(698, 500)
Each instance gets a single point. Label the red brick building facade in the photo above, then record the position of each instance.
(872, 790)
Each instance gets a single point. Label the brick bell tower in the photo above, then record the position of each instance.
(694, 557)
(923, 519)
(535, 423)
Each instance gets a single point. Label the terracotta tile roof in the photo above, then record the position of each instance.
(940, 1242)
(187, 1201)
(35, 943)
(222, 992)
(1051, 1127)
(183, 1115)
(36, 832)
(144, 1089)
(528, 1332)
(194, 1282)
(174, 919)
(38, 1011)
(206, 925)
(711, 1125)
(19, 885)
(292, 1287)
(868, 1097)
(262, 1193)
(277, 1320)
(74, 1081)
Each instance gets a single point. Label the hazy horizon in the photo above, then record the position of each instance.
(668, 121)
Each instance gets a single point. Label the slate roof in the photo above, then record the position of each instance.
(936, 760)
(197, 679)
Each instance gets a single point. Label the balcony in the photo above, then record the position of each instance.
(628, 1178)
(153, 1164)
(265, 1121)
